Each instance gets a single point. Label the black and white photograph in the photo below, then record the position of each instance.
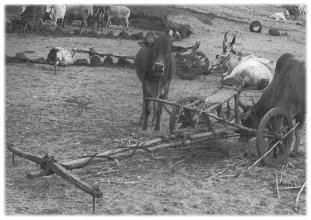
(154, 108)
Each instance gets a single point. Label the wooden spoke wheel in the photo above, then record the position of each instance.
(188, 66)
(272, 128)
(182, 118)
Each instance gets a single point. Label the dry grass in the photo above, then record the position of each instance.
(84, 110)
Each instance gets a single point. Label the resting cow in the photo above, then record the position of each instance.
(251, 71)
(118, 12)
(155, 66)
(278, 16)
(287, 90)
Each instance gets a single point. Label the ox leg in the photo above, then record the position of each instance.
(147, 108)
(154, 114)
(158, 110)
(108, 23)
(142, 116)
(82, 24)
(298, 133)
(127, 23)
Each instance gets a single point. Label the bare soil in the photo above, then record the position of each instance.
(84, 110)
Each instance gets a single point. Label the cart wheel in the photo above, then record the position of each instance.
(188, 67)
(184, 118)
(273, 126)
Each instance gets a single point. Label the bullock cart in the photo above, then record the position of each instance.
(219, 110)
(192, 119)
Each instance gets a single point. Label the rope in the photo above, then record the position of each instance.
(46, 164)
(221, 62)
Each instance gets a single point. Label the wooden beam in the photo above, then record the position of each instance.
(93, 52)
(60, 170)
(126, 152)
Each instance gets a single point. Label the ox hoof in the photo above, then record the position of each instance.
(296, 154)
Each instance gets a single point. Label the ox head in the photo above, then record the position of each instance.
(160, 52)
(49, 10)
(249, 119)
(228, 47)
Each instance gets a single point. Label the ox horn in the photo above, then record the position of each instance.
(225, 37)
(233, 40)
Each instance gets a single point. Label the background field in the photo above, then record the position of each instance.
(84, 110)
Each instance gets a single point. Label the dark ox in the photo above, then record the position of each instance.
(287, 90)
(155, 66)
(35, 14)
(98, 16)
(79, 12)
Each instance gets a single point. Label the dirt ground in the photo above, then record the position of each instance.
(84, 110)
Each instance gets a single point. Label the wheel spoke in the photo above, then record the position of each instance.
(275, 153)
(268, 134)
(268, 143)
(270, 127)
(284, 129)
(280, 147)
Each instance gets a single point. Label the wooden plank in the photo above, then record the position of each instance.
(59, 170)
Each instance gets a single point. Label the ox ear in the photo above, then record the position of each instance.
(178, 49)
(233, 40)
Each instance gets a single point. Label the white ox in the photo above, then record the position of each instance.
(118, 12)
(302, 8)
(56, 12)
(251, 71)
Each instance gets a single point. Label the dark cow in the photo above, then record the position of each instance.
(35, 14)
(79, 12)
(98, 16)
(287, 90)
(155, 66)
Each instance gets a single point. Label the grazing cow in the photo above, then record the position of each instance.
(118, 12)
(18, 26)
(56, 12)
(155, 66)
(35, 14)
(98, 16)
(287, 90)
(79, 12)
(14, 10)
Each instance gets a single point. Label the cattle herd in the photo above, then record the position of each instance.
(35, 16)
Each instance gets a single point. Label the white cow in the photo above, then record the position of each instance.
(251, 71)
(302, 8)
(279, 16)
(56, 12)
(118, 12)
